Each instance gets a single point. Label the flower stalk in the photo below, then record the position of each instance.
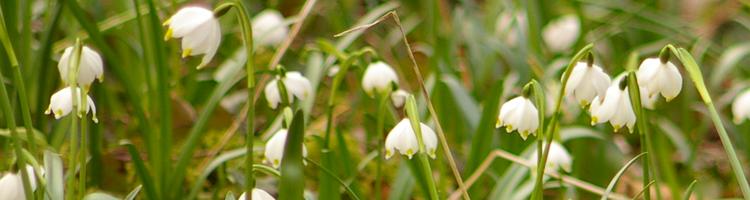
(422, 154)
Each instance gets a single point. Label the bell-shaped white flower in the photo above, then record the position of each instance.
(562, 33)
(296, 86)
(586, 82)
(558, 158)
(269, 28)
(379, 77)
(614, 107)
(199, 30)
(258, 194)
(11, 185)
(519, 114)
(61, 104)
(398, 98)
(90, 66)
(403, 139)
(275, 148)
(741, 107)
(657, 77)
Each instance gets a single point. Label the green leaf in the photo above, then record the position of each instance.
(133, 194)
(619, 174)
(141, 170)
(352, 194)
(218, 161)
(100, 196)
(38, 136)
(689, 190)
(292, 183)
(481, 144)
(53, 169)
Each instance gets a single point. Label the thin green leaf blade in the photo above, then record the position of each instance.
(292, 184)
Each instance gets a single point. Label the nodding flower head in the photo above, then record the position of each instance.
(558, 158)
(61, 104)
(519, 114)
(614, 107)
(587, 81)
(90, 66)
(275, 148)
(741, 107)
(379, 77)
(199, 30)
(11, 184)
(403, 139)
(269, 28)
(295, 85)
(258, 194)
(658, 77)
(562, 33)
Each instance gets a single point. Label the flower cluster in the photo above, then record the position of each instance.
(90, 67)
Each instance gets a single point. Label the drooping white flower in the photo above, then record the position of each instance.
(258, 194)
(379, 77)
(275, 148)
(296, 86)
(657, 77)
(11, 185)
(519, 114)
(741, 107)
(614, 107)
(398, 98)
(586, 82)
(199, 30)
(558, 158)
(562, 33)
(90, 66)
(61, 103)
(403, 139)
(269, 28)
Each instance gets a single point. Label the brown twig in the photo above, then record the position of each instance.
(508, 156)
(430, 107)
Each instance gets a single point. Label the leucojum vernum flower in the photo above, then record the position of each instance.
(741, 106)
(269, 28)
(61, 104)
(614, 107)
(519, 114)
(90, 67)
(558, 158)
(403, 139)
(200, 32)
(295, 84)
(258, 194)
(587, 81)
(658, 76)
(275, 148)
(11, 184)
(379, 78)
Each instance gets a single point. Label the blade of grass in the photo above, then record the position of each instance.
(689, 190)
(141, 170)
(292, 183)
(351, 192)
(482, 139)
(222, 159)
(133, 194)
(619, 174)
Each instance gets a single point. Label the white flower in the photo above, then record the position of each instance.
(61, 104)
(11, 185)
(614, 107)
(199, 30)
(269, 28)
(557, 158)
(403, 139)
(296, 86)
(586, 82)
(398, 98)
(741, 107)
(657, 77)
(562, 33)
(258, 194)
(275, 148)
(90, 66)
(521, 114)
(379, 77)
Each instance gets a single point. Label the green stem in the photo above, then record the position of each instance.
(411, 111)
(17, 80)
(247, 39)
(382, 102)
(16, 140)
(74, 91)
(696, 76)
(83, 153)
(552, 127)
